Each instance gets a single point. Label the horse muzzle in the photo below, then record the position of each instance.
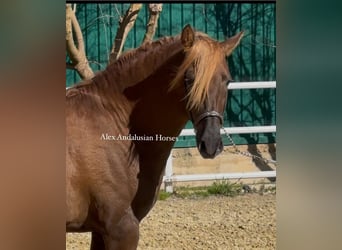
(210, 146)
(208, 137)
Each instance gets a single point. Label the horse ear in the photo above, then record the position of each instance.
(231, 43)
(188, 37)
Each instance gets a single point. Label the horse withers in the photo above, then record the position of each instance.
(115, 164)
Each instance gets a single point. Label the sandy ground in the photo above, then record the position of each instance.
(244, 222)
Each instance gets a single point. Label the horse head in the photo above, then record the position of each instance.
(206, 76)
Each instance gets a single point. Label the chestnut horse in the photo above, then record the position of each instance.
(121, 126)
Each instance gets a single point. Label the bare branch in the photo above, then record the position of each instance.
(154, 9)
(71, 48)
(78, 32)
(125, 25)
(76, 54)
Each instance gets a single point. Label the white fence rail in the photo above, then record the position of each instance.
(252, 85)
(169, 177)
(236, 130)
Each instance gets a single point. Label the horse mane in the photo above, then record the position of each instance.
(122, 69)
(205, 54)
(125, 59)
(119, 75)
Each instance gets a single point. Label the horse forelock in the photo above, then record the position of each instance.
(205, 55)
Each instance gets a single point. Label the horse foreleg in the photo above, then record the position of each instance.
(146, 196)
(124, 235)
(97, 242)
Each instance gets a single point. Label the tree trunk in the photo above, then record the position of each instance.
(125, 25)
(76, 53)
(154, 10)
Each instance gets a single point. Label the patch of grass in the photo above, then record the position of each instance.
(267, 189)
(163, 195)
(225, 188)
(272, 189)
(222, 187)
(259, 188)
(191, 192)
(262, 187)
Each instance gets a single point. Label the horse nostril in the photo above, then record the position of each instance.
(202, 146)
(219, 148)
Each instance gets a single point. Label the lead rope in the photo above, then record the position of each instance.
(247, 154)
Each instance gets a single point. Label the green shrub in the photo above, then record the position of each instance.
(225, 188)
(163, 195)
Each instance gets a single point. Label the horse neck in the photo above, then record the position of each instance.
(158, 111)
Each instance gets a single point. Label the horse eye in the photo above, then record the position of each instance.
(188, 80)
(228, 81)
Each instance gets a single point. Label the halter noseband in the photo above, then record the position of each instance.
(207, 114)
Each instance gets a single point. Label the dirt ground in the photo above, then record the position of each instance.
(216, 222)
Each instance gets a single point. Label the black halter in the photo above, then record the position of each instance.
(187, 84)
(207, 114)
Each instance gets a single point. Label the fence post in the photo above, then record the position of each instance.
(168, 175)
